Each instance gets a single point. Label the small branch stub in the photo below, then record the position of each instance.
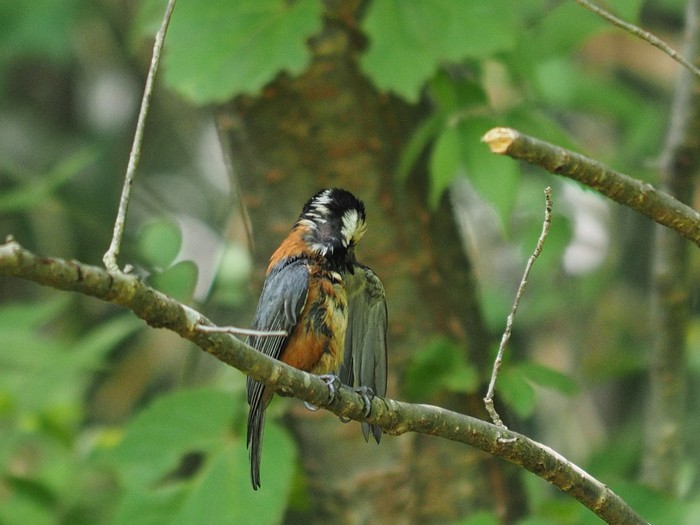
(500, 139)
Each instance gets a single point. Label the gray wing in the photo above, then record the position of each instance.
(282, 299)
(365, 361)
(281, 302)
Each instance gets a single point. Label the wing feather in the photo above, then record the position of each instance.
(282, 299)
(365, 360)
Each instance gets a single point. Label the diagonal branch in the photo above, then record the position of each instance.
(633, 193)
(395, 417)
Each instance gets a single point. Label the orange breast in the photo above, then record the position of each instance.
(316, 344)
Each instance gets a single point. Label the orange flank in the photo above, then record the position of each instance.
(316, 344)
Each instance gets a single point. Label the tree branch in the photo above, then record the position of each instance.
(672, 284)
(633, 193)
(395, 417)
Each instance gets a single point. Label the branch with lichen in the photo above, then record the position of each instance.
(395, 417)
(623, 189)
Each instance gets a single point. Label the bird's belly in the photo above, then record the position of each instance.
(317, 343)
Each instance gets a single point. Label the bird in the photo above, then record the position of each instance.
(332, 308)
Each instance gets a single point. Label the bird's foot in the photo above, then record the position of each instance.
(333, 383)
(367, 394)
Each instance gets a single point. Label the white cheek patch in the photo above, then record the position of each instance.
(353, 227)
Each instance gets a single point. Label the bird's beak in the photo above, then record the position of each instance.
(351, 261)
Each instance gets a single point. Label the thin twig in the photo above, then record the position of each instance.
(488, 400)
(110, 256)
(640, 33)
(239, 331)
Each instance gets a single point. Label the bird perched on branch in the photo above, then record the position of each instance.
(332, 308)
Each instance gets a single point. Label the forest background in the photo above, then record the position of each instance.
(259, 103)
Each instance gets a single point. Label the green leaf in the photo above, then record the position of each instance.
(220, 488)
(93, 347)
(217, 49)
(229, 474)
(41, 28)
(18, 508)
(628, 10)
(533, 520)
(172, 425)
(495, 177)
(558, 32)
(16, 317)
(445, 161)
(409, 39)
(457, 94)
(34, 364)
(621, 453)
(480, 518)
(439, 366)
(539, 124)
(497, 301)
(459, 150)
(232, 277)
(548, 377)
(178, 281)
(38, 188)
(516, 392)
(657, 508)
(150, 507)
(417, 143)
(159, 243)
(452, 98)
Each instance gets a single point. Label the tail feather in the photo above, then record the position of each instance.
(256, 426)
(375, 429)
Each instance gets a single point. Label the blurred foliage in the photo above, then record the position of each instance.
(70, 74)
(438, 367)
(179, 460)
(218, 49)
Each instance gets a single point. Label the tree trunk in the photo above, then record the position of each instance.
(330, 127)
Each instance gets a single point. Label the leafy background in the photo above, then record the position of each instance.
(104, 421)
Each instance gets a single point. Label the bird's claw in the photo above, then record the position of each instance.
(367, 395)
(332, 382)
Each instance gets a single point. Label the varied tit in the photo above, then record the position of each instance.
(332, 308)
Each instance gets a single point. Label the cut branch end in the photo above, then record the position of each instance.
(500, 139)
